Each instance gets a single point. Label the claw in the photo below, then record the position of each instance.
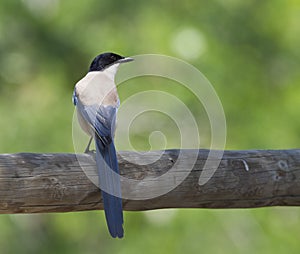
(90, 151)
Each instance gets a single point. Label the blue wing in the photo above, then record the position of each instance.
(103, 119)
(74, 98)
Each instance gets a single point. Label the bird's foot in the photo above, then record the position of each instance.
(88, 151)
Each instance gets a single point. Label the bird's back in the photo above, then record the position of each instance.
(96, 88)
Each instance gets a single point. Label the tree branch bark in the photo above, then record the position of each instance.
(36, 183)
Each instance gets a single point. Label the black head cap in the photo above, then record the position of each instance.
(105, 60)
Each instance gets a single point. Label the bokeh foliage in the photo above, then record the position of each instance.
(250, 52)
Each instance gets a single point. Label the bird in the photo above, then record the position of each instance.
(96, 100)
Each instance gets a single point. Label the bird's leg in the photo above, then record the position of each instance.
(87, 150)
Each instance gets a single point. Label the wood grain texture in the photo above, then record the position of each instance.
(36, 183)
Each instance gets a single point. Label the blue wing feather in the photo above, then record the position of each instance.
(102, 119)
(74, 98)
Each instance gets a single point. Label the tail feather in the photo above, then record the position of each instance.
(106, 159)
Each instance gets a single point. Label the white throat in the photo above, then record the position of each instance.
(111, 71)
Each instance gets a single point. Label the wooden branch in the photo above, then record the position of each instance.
(34, 183)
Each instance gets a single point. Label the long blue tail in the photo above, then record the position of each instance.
(106, 159)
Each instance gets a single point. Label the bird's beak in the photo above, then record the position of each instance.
(125, 60)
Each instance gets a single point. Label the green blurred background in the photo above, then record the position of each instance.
(250, 52)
